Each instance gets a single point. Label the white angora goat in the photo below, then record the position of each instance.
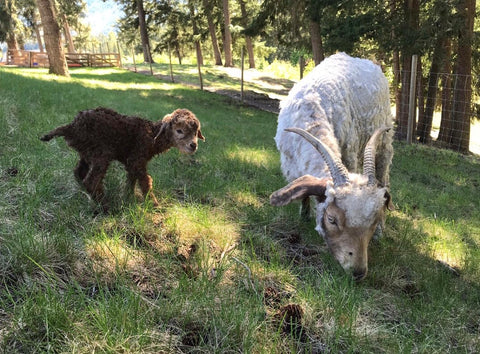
(341, 115)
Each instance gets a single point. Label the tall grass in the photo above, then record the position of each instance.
(215, 268)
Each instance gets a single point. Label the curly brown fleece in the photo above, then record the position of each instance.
(102, 135)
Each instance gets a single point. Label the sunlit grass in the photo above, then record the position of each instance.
(110, 254)
(247, 198)
(285, 70)
(445, 244)
(259, 158)
(92, 78)
(194, 223)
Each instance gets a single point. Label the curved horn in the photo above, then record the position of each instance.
(369, 156)
(337, 169)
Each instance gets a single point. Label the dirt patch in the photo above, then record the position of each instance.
(254, 99)
(276, 89)
(289, 317)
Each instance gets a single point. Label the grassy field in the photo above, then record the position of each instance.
(216, 268)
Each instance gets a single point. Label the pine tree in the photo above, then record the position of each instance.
(51, 33)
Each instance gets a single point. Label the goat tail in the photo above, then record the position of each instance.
(60, 131)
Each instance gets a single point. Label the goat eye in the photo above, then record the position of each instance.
(331, 220)
(179, 131)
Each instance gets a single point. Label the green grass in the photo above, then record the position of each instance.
(213, 269)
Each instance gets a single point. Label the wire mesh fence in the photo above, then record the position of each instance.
(440, 118)
(446, 112)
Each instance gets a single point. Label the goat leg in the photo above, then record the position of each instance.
(130, 187)
(146, 185)
(81, 171)
(93, 182)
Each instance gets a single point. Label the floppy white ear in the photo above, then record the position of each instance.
(299, 189)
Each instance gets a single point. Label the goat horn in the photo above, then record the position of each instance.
(369, 156)
(337, 169)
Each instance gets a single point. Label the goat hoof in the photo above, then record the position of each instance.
(155, 202)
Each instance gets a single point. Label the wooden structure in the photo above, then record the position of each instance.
(32, 59)
(94, 60)
(27, 58)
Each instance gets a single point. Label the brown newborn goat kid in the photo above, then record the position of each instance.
(102, 135)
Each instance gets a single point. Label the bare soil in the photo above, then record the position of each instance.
(270, 89)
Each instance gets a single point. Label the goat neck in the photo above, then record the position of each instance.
(162, 137)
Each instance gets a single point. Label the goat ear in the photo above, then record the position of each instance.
(199, 135)
(388, 201)
(299, 189)
(162, 129)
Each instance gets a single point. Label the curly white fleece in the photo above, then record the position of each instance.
(342, 102)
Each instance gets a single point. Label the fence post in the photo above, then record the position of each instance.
(200, 73)
(411, 99)
(119, 54)
(302, 66)
(170, 62)
(241, 79)
(133, 57)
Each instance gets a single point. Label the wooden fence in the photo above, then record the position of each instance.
(32, 59)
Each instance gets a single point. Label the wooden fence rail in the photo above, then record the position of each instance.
(32, 59)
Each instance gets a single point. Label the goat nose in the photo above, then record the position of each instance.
(193, 146)
(359, 274)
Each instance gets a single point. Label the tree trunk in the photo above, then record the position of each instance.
(317, 46)
(51, 33)
(396, 83)
(211, 30)
(248, 39)
(402, 109)
(179, 53)
(227, 41)
(445, 134)
(68, 35)
(425, 123)
(412, 12)
(420, 96)
(396, 67)
(251, 55)
(462, 96)
(12, 41)
(147, 55)
(195, 33)
(36, 27)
